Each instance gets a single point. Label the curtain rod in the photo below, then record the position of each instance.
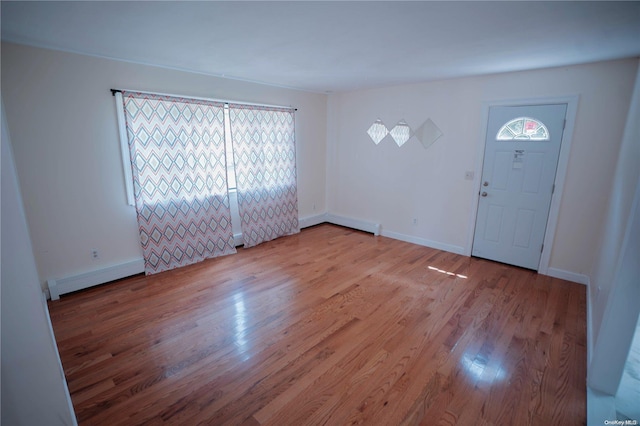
(114, 91)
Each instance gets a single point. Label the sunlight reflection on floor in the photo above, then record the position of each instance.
(447, 272)
(241, 325)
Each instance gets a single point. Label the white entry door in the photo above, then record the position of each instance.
(520, 159)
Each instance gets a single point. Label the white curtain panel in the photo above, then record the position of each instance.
(179, 173)
(265, 163)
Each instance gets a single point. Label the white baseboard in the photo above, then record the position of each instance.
(375, 229)
(600, 408)
(423, 242)
(303, 222)
(568, 276)
(350, 222)
(57, 287)
(67, 395)
(590, 341)
(61, 286)
(308, 221)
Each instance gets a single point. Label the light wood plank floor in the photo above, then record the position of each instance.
(330, 326)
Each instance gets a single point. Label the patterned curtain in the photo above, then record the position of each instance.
(179, 175)
(265, 163)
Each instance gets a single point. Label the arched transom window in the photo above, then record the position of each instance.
(526, 128)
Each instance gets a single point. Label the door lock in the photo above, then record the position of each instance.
(484, 194)
(485, 183)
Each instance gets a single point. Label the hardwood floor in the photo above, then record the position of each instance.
(330, 326)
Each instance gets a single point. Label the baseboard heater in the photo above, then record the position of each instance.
(89, 279)
(60, 286)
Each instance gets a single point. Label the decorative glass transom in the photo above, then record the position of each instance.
(523, 128)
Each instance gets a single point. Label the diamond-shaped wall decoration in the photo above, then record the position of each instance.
(401, 132)
(377, 131)
(428, 133)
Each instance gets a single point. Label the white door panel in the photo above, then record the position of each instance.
(517, 184)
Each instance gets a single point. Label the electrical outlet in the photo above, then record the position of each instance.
(94, 254)
(468, 175)
(415, 220)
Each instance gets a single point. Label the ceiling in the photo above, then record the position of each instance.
(333, 46)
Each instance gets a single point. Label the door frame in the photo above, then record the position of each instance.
(561, 173)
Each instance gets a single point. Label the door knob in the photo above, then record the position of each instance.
(484, 194)
(485, 183)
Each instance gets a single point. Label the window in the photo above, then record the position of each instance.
(203, 173)
(523, 128)
(178, 163)
(231, 170)
(264, 151)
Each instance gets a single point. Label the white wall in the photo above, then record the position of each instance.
(63, 122)
(392, 185)
(34, 390)
(615, 292)
(619, 208)
(67, 155)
